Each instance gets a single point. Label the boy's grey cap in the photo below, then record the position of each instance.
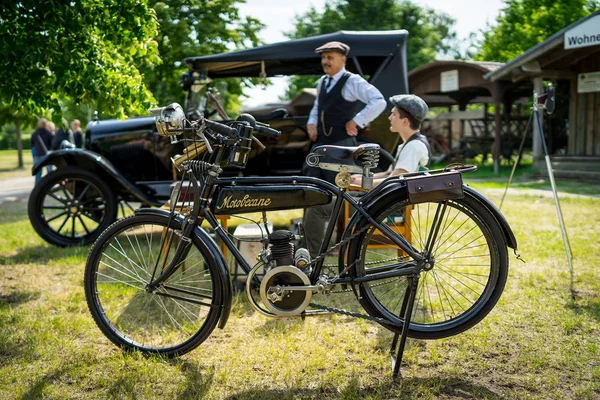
(414, 105)
(334, 46)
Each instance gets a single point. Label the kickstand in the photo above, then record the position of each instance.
(406, 311)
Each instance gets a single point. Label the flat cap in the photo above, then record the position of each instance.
(414, 105)
(334, 46)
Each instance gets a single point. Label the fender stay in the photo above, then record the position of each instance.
(216, 255)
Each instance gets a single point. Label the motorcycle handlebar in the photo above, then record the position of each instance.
(220, 128)
(265, 130)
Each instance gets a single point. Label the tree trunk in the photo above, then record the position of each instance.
(19, 142)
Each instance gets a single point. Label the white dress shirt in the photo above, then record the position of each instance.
(355, 89)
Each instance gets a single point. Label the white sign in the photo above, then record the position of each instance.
(588, 82)
(584, 35)
(449, 81)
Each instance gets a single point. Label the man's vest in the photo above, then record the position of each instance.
(334, 111)
(416, 136)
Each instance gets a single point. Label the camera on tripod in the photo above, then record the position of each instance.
(546, 100)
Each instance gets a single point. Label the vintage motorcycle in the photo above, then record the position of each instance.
(158, 283)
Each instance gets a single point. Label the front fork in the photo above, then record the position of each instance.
(181, 252)
(189, 224)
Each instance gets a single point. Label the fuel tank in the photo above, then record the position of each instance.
(247, 199)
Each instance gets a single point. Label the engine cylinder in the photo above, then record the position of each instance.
(282, 247)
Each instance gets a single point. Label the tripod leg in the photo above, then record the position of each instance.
(561, 221)
(406, 311)
(512, 173)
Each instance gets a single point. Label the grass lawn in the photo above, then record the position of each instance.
(9, 163)
(537, 343)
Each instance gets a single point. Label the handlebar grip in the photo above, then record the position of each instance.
(220, 128)
(270, 132)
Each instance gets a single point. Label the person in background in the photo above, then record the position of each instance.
(41, 141)
(334, 120)
(77, 133)
(414, 153)
(62, 133)
(51, 128)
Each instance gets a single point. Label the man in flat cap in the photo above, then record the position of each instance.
(334, 120)
(414, 152)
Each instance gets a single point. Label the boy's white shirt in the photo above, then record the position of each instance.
(414, 155)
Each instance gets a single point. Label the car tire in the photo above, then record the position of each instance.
(71, 207)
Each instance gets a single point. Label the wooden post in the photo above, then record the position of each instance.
(19, 141)
(449, 130)
(498, 96)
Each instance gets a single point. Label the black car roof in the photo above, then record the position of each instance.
(298, 57)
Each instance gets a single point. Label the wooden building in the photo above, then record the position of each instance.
(570, 59)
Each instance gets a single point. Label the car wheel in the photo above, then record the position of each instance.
(71, 207)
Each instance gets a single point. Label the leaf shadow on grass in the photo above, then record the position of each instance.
(36, 390)
(18, 297)
(12, 344)
(40, 254)
(587, 306)
(388, 388)
(198, 380)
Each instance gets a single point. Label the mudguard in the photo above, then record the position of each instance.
(398, 189)
(92, 162)
(511, 241)
(217, 256)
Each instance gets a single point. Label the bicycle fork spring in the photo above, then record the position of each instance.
(197, 166)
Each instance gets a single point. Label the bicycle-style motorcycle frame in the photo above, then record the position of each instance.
(286, 288)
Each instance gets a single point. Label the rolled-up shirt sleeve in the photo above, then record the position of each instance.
(359, 89)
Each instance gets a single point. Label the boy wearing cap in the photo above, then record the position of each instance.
(334, 120)
(414, 153)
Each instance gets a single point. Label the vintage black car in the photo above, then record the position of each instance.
(128, 161)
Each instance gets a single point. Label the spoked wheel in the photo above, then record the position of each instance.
(172, 319)
(466, 277)
(71, 207)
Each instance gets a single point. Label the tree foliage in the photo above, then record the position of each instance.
(522, 24)
(429, 30)
(194, 28)
(87, 50)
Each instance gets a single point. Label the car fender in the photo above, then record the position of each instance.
(91, 161)
(213, 251)
(398, 189)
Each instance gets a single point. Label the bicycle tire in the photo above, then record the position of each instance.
(120, 265)
(441, 309)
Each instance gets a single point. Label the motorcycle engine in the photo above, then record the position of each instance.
(275, 290)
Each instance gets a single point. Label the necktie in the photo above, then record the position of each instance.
(329, 81)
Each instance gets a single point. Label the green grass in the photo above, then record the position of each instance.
(9, 164)
(537, 343)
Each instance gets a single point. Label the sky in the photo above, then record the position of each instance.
(278, 15)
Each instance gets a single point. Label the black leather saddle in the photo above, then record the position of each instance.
(345, 153)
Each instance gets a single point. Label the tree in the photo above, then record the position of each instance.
(522, 24)
(88, 50)
(188, 29)
(429, 31)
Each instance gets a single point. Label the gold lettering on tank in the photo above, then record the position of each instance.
(244, 202)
